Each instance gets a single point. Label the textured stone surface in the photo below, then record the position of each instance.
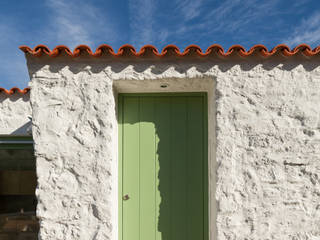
(267, 144)
(15, 114)
(73, 119)
(268, 147)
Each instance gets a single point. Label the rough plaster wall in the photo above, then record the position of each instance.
(15, 114)
(268, 152)
(72, 126)
(267, 149)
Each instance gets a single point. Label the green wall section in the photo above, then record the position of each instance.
(163, 167)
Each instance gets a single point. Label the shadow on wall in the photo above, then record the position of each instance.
(159, 66)
(173, 200)
(12, 105)
(14, 97)
(25, 129)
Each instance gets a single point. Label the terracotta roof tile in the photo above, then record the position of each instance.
(149, 50)
(169, 50)
(14, 90)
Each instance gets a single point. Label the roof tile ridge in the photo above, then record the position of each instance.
(128, 49)
(81, 48)
(214, 47)
(170, 48)
(14, 90)
(104, 49)
(144, 49)
(192, 47)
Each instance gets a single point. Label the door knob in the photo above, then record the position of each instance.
(125, 197)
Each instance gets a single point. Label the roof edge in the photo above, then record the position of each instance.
(14, 90)
(169, 50)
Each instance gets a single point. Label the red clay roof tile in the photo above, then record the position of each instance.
(128, 50)
(14, 90)
(149, 50)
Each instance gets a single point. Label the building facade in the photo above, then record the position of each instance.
(251, 118)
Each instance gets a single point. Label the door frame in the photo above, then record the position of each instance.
(204, 96)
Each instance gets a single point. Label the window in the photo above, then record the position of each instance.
(17, 189)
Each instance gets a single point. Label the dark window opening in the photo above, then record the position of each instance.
(17, 190)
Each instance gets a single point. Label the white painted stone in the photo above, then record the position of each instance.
(15, 114)
(266, 157)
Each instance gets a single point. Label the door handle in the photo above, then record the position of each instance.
(125, 197)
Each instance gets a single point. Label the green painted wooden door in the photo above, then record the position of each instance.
(163, 167)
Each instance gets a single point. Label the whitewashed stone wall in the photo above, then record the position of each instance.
(267, 144)
(15, 114)
(73, 122)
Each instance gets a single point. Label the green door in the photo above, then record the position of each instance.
(163, 167)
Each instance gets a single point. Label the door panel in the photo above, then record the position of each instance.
(163, 193)
(195, 150)
(147, 169)
(131, 167)
(164, 169)
(179, 168)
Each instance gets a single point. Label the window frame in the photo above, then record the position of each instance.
(16, 142)
(9, 142)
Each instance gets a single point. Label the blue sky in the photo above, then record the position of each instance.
(140, 22)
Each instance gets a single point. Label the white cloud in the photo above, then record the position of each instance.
(231, 19)
(226, 17)
(13, 66)
(71, 22)
(308, 31)
(74, 23)
(146, 29)
(142, 22)
(190, 9)
(233, 15)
